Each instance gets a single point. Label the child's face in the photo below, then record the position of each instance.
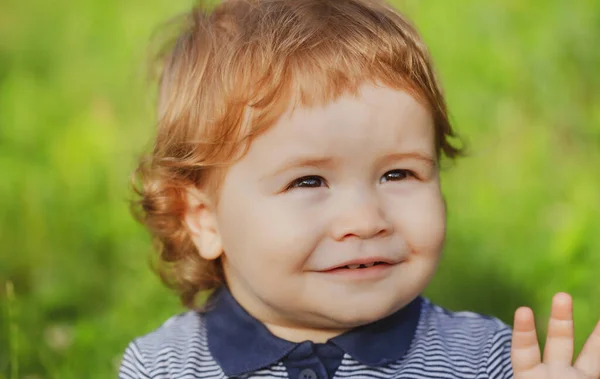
(355, 181)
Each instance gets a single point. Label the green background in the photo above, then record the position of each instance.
(522, 80)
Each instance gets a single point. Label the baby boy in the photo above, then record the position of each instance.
(295, 178)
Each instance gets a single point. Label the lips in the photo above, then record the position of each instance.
(358, 264)
(355, 266)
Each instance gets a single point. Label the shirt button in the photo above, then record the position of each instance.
(307, 374)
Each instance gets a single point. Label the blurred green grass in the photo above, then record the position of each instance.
(522, 80)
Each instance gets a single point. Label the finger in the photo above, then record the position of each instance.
(588, 361)
(559, 344)
(525, 350)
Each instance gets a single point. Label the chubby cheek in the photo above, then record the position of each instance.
(421, 219)
(261, 237)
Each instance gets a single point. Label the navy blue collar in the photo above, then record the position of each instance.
(240, 344)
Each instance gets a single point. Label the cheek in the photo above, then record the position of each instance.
(421, 219)
(255, 230)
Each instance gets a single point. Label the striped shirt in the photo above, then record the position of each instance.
(420, 341)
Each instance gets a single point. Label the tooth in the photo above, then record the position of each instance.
(369, 264)
(353, 266)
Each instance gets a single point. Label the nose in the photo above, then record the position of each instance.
(360, 217)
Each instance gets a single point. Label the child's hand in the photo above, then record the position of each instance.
(558, 353)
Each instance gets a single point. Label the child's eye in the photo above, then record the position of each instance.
(397, 175)
(312, 181)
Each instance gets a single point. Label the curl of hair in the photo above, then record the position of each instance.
(232, 71)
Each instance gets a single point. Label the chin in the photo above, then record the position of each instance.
(354, 315)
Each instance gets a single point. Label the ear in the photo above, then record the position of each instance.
(201, 221)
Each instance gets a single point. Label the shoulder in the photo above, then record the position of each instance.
(469, 325)
(467, 344)
(177, 349)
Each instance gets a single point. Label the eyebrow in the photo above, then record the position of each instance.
(412, 155)
(299, 162)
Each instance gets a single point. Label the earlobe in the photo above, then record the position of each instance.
(201, 222)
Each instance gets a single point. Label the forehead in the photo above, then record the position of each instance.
(391, 118)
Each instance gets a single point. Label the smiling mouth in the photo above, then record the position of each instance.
(367, 265)
(357, 267)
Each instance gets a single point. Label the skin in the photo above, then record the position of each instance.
(356, 179)
(558, 353)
